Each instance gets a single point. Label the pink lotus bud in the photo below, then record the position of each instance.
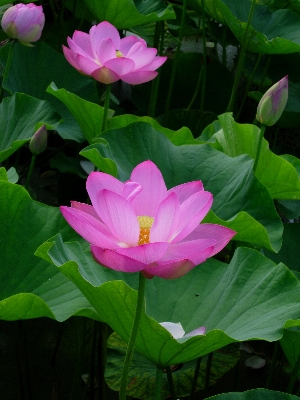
(272, 103)
(24, 22)
(38, 142)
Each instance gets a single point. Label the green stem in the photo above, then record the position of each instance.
(133, 335)
(7, 66)
(159, 30)
(275, 358)
(293, 376)
(33, 158)
(106, 105)
(102, 356)
(248, 85)
(171, 383)
(158, 383)
(203, 69)
(264, 74)
(175, 61)
(207, 374)
(262, 131)
(196, 374)
(241, 59)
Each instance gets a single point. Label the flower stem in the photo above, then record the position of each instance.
(248, 86)
(241, 59)
(207, 374)
(171, 383)
(196, 374)
(133, 335)
(262, 131)
(203, 69)
(7, 66)
(293, 376)
(106, 105)
(175, 62)
(33, 158)
(275, 359)
(158, 383)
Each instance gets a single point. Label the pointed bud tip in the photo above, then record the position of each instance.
(38, 142)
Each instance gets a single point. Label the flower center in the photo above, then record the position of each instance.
(145, 223)
(119, 54)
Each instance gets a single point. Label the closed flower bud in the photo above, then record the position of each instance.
(38, 142)
(272, 103)
(24, 22)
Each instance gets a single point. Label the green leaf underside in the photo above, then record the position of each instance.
(142, 372)
(251, 298)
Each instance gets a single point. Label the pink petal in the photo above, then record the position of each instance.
(116, 261)
(90, 228)
(172, 270)
(136, 78)
(120, 66)
(86, 65)
(220, 234)
(118, 215)
(102, 31)
(86, 208)
(126, 44)
(131, 190)
(71, 57)
(191, 250)
(165, 218)
(105, 75)
(154, 189)
(143, 57)
(104, 51)
(138, 46)
(198, 331)
(192, 211)
(146, 253)
(185, 190)
(99, 180)
(81, 44)
(155, 64)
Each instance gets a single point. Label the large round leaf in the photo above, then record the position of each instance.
(269, 33)
(239, 198)
(255, 394)
(251, 298)
(128, 13)
(277, 174)
(42, 66)
(29, 286)
(20, 116)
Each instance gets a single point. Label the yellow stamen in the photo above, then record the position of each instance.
(119, 54)
(145, 223)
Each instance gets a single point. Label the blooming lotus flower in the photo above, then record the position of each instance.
(273, 102)
(107, 58)
(24, 22)
(178, 332)
(139, 225)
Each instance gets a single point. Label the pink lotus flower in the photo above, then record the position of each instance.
(24, 22)
(139, 225)
(107, 58)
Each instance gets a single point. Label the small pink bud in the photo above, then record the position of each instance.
(38, 142)
(24, 22)
(272, 103)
